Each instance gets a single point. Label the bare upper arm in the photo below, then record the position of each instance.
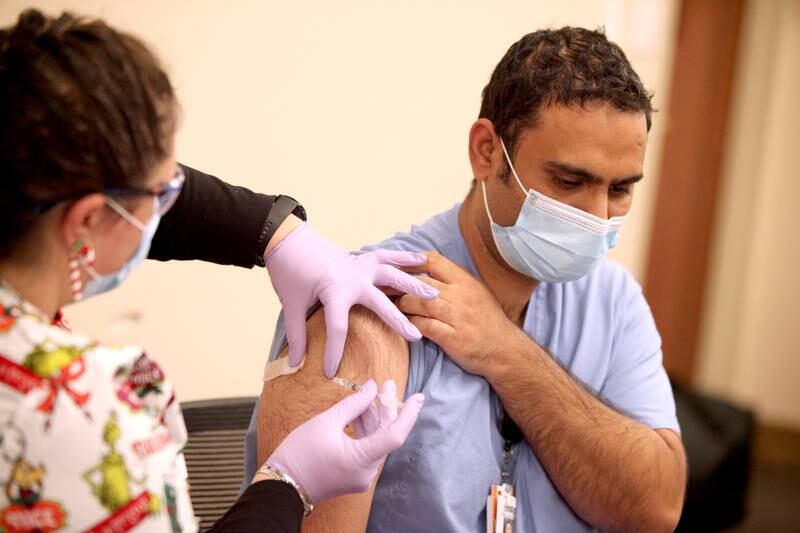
(372, 351)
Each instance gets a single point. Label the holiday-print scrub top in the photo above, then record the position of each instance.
(91, 436)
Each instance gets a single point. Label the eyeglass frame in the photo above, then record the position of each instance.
(166, 195)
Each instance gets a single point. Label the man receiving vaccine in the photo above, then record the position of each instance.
(547, 404)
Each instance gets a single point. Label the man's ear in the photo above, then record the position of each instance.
(484, 145)
(81, 219)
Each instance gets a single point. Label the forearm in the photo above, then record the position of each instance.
(614, 472)
(212, 221)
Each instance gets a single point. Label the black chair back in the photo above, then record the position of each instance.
(215, 453)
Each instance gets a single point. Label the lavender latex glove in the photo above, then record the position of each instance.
(326, 463)
(378, 415)
(306, 267)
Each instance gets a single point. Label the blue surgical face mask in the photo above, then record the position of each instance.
(551, 241)
(101, 283)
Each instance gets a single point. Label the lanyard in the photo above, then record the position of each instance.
(511, 435)
(501, 504)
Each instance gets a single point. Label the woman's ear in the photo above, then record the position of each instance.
(483, 146)
(81, 219)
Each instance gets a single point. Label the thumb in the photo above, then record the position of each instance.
(350, 408)
(387, 439)
(295, 319)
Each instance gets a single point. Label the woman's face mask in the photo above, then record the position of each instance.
(163, 200)
(100, 283)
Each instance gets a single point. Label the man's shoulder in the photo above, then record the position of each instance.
(440, 232)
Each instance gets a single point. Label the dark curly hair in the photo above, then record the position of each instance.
(565, 66)
(83, 107)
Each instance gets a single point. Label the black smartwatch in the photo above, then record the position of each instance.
(282, 207)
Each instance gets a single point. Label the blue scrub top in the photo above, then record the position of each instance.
(599, 328)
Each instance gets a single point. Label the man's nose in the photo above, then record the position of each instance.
(596, 204)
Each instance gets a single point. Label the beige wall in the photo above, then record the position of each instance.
(360, 109)
(751, 342)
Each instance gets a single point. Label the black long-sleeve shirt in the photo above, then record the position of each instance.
(221, 223)
(212, 221)
(265, 507)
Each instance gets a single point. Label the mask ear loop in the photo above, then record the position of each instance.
(513, 170)
(486, 202)
(121, 211)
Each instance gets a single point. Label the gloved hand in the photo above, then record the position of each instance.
(377, 416)
(325, 462)
(306, 267)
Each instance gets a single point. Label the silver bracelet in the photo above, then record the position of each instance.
(270, 472)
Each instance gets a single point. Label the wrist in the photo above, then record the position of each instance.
(287, 226)
(268, 472)
(282, 207)
(512, 355)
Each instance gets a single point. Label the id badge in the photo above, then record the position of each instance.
(501, 506)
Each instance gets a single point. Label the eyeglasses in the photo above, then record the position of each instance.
(165, 195)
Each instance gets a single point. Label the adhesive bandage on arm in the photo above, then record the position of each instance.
(280, 367)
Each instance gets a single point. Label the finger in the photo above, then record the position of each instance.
(385, 440)
(336, 316)
(368, 422)
(436, 284)
(440, 268)
(388, 276)
(349, 409)
(295, 319)
(358, 427)
(433, 329)
(387, 400)
(375, 300)
(397, 257)
(439, 309)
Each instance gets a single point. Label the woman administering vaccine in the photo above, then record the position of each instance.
(91, 435)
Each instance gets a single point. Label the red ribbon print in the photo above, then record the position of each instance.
(126, 517)
(23, 380)
(18, 377)
(69, 373)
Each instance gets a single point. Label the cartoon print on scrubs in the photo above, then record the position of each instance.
(28, 510)
(110, 479)
(59, 366)
(109, 457)
(139, 386)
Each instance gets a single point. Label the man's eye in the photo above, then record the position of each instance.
(620, 190)
(567, 184)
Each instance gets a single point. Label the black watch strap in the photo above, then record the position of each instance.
(281, 208)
